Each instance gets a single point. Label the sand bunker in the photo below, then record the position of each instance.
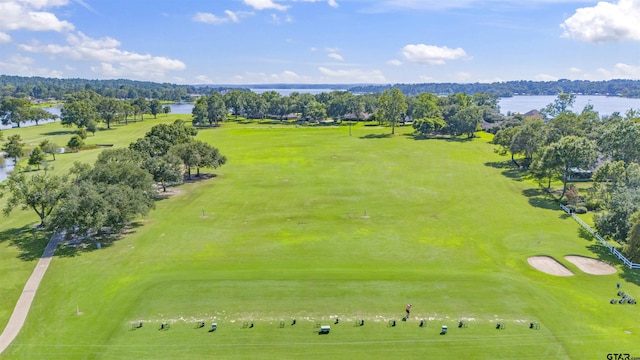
(549, 265)
(591, 266)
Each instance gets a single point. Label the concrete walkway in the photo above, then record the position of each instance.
(28, 293)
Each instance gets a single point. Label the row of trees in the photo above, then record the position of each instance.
(86, 108)
(565, 145)
(58, 89)
(617, 87)
(103, 198)
(456, 114)
(16, 111)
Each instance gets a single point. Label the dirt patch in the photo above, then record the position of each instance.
(549, 265)
(591, 266)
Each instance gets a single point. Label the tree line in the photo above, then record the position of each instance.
(617, 87)
(102, 199)
(565, 145)
(52, 88)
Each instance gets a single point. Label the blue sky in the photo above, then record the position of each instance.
(321, 41)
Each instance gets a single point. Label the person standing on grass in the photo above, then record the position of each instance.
(408, 309)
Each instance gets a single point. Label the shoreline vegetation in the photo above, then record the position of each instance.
(53, 89)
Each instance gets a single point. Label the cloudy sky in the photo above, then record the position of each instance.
(321, 41)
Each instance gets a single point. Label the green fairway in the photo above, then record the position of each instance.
(313, 224)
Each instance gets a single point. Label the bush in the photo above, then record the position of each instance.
(593, 204)
(82, 133)
(581, 210)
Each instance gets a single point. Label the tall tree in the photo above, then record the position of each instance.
(49, 147)
(14, 147)
(14, 111)
(235, 100)
(37, 157)
(165, 169)
(109, 110)
(37, 114)
(155, 107)
(40, 193)
(391, 107)
(562, 104)
(75, 143)
(568, 154)
(77, 113)
(189, 154)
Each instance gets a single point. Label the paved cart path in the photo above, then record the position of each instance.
(28, 293)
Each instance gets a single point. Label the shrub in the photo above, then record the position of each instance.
(593, 204)
(581, 210)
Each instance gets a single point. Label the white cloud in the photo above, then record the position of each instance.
(394, 62)
(336, 56)
(332, 3)
(605, 22)
(4, 38)
(545, 77)
(355, 75)
(25, 15)
(286, 76)
(113, 62)
(265, 4)
(430, 54)
(463, 76)
(209, 18)
(277, 20)
(23, 66)
(621, 71)
(203, 79)
(575, 70)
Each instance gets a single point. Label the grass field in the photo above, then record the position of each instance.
(312, 224)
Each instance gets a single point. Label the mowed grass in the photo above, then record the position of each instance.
(312, 224)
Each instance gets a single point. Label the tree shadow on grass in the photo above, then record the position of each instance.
(376, 136)
(71, 247)
(603, 253)
(508, 170)
(30, 241)
(540, 199)
(60, 132)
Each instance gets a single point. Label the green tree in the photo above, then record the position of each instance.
(166, 110)
(562, 104)
(109, 110)
(155, 107)
(619, 139)
(14, 147)
(503, 139)
(632, 249)
(209, 156)
(49, 147)
(528, 140)
(77, 113)
(615, 221)
(92, 126)
(161, 137)
(189, 154)
(465, 121)
(140, 106)
(571, 152)
(391, 107)
(37, 157)
(234, 100)
(37, 114)
(428, 126)
(316, 111)
(14, 111)
(40, 193)
(75, 143)
(165, 169)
